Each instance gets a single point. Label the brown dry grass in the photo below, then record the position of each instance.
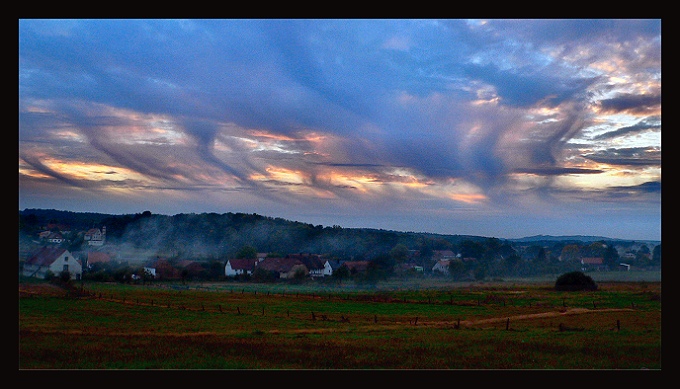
(483, 333)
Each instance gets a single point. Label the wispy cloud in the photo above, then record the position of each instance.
(312, 117)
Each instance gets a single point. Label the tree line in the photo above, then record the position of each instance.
(211, 238)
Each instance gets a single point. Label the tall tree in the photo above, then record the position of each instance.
(247, 252)
(611, 256)
(399, 253)
(541, 256)
(656, 255)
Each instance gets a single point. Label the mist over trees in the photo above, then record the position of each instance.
(210, 235)
(212, 238)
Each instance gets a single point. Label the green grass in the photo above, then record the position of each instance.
(260, 326)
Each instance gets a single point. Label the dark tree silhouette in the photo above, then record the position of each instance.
(575, 281)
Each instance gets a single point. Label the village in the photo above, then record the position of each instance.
(96, 257)
(53, 258)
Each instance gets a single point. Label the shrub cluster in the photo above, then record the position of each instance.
(574, 281)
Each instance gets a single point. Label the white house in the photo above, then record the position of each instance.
(55, 237)
(328, 268)
(53, 259)
(441, 266)
(151, 271)
(95, 236)
(235, 267)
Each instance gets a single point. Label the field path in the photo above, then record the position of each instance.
(470, 323)
(349, 328)
(29, 290)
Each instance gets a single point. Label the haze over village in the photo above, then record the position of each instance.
(249, 246)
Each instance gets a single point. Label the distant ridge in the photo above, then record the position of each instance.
(89, 219)
(581, 238)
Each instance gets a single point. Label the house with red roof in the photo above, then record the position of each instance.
(94, 257)
(95, 236)
(313, 263)
(285, 267)
(192, 268)
(444, 255)
(163, 269)
(52, 259)
(55, 237)
(239, 266)
(356, 267)
(588, 263)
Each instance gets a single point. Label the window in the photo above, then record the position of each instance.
(66, 259)
(65, 267)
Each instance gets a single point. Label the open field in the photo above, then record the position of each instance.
(502, 325)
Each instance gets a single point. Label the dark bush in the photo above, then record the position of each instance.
(574, 281)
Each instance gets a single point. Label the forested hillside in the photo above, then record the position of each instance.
(213, 238)
(222, 235)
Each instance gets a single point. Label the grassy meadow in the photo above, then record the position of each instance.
(395, 325)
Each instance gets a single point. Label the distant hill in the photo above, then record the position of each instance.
(217, 235)
(575, 238)
(210, 235)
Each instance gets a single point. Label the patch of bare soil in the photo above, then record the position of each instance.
(28, 290)
(542, 315)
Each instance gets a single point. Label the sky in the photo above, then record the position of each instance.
(501, 128)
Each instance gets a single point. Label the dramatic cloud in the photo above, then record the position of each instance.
(453, 126)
